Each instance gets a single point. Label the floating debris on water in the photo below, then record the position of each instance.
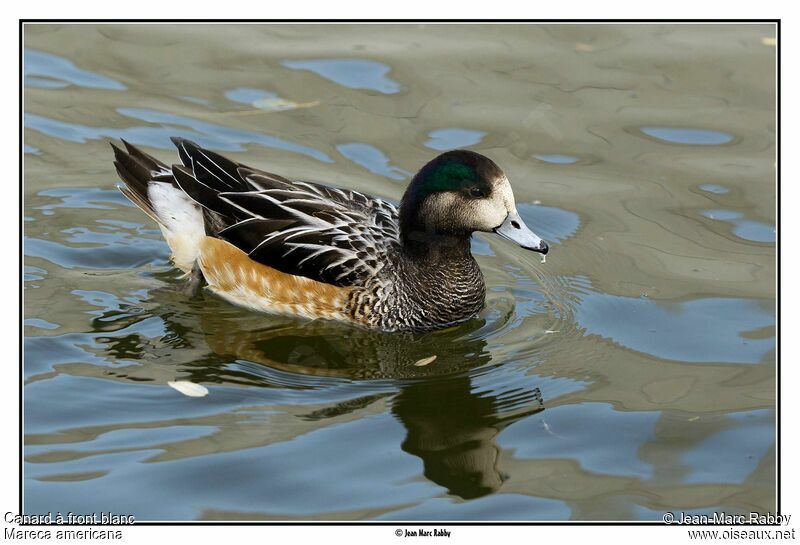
(425, 361)
(547, 429)
(188, 388)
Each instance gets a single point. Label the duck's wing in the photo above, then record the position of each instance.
(337, 236)
(300, 231)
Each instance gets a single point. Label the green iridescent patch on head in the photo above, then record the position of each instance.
(448, 177)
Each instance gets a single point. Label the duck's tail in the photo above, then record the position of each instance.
(137, 170)
(151, 185)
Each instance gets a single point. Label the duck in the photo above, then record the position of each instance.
(305, 249)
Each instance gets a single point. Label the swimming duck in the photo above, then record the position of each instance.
(283, 246)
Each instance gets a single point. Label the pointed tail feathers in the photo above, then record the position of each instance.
(150, 185)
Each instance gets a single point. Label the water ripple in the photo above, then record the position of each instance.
(448, 139)
(698, 330)
(204, 133)
(557, 159)
(690, 136)
(61, 73)
(372, 159)
(352, 73)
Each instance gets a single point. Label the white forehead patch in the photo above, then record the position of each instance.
(503, 191)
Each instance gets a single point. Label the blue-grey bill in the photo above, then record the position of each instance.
(513, 228)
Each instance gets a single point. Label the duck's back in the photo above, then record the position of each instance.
(262, 240)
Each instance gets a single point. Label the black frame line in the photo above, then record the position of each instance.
(402, 523)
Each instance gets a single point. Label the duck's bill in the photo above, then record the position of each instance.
(513, 228)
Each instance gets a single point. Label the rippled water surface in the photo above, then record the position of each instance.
(632, 373)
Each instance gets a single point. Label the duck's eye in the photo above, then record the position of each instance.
(476, 192)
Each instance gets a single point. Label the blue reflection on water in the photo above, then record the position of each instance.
(42, 83)
(352, 73)
(62, 72)
(697, 137)
(505, 506)
(121, 251)
(372, 159)
(194, 100)
(68, 399)
(564, 431)
(731, 455)
(157, 137)
(248, 95)
(258, 98)
(31, 273)
(714, 188)
(557, 159)
(722, 215)
(349, 482)
(550, 223)
(113, 245)
(83, 197)
(755, 231)
(206, 134)
(447, 139)
(235, 137)
(699, 330)
(40, 323)
(143, 438)
(645, 513)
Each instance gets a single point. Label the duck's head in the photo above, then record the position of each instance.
(460, 192)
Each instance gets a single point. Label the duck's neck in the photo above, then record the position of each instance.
(438, 283)
(433, 248)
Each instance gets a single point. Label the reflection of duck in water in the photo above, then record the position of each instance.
(275, 245)
(213, 334)
(450, 426)
(332, 349)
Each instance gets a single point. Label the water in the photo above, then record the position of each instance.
(632, 373)
(697, 137)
